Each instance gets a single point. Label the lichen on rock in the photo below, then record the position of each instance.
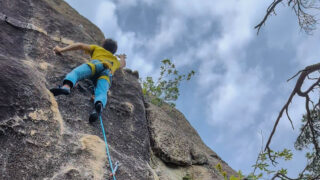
(97, 159)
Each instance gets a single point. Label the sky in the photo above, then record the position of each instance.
(240, 83)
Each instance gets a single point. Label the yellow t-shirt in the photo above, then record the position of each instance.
(105, 57)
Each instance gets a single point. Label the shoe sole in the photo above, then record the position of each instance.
(93, 117)
(59, 91)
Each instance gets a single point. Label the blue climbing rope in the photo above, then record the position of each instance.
(107, 148)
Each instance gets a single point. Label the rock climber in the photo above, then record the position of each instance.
(100, 70)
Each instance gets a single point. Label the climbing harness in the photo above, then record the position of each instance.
(106, 78)
(113, 171)
(106, 63)
(93, 71)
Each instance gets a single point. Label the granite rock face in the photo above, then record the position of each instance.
(176, 144)
(46, 137)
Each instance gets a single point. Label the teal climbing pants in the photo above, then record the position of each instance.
(84, 71)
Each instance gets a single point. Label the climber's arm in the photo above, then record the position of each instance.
(122, 60)
(72, 47)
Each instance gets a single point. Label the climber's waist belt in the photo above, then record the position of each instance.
(106, 63)
(107, 67)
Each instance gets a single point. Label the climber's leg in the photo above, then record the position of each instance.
(101, 96)
(81, 72)
(101, 90)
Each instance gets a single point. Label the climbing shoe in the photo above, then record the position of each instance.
(60, 90)
(96, 112)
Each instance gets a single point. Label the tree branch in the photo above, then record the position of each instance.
(269, 11)
(302, 9)
(297, 90)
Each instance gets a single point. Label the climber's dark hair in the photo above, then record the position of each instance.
(110, 45)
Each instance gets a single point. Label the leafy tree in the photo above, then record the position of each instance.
(239, 176)
(166, 88)
(266, 166)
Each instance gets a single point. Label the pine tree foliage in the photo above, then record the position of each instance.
(305, 142)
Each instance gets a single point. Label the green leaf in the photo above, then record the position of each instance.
(166, 89)
(283, 171)
(166, 61)
(234, 178)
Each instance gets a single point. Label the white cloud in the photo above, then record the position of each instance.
(308, 50)
(129, 3)
(126, 3)
(237, 100)
(171, 29)
(106, 18)
(241, 88)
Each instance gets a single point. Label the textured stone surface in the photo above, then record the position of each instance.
(43, 137)
(196, 172)
(176, 143)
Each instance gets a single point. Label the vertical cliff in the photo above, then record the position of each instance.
(43, 137)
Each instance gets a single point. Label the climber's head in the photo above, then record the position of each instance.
(110, 45)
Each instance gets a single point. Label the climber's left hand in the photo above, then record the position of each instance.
(122, 60)
(57, 50)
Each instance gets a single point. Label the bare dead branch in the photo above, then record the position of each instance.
(295, 75)
(289, 118)
(285, 107)
(282, 176)
(311, 78)
(305, 93)
(302, 9)
(297, 90)
(309, 124)
(269, 11)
